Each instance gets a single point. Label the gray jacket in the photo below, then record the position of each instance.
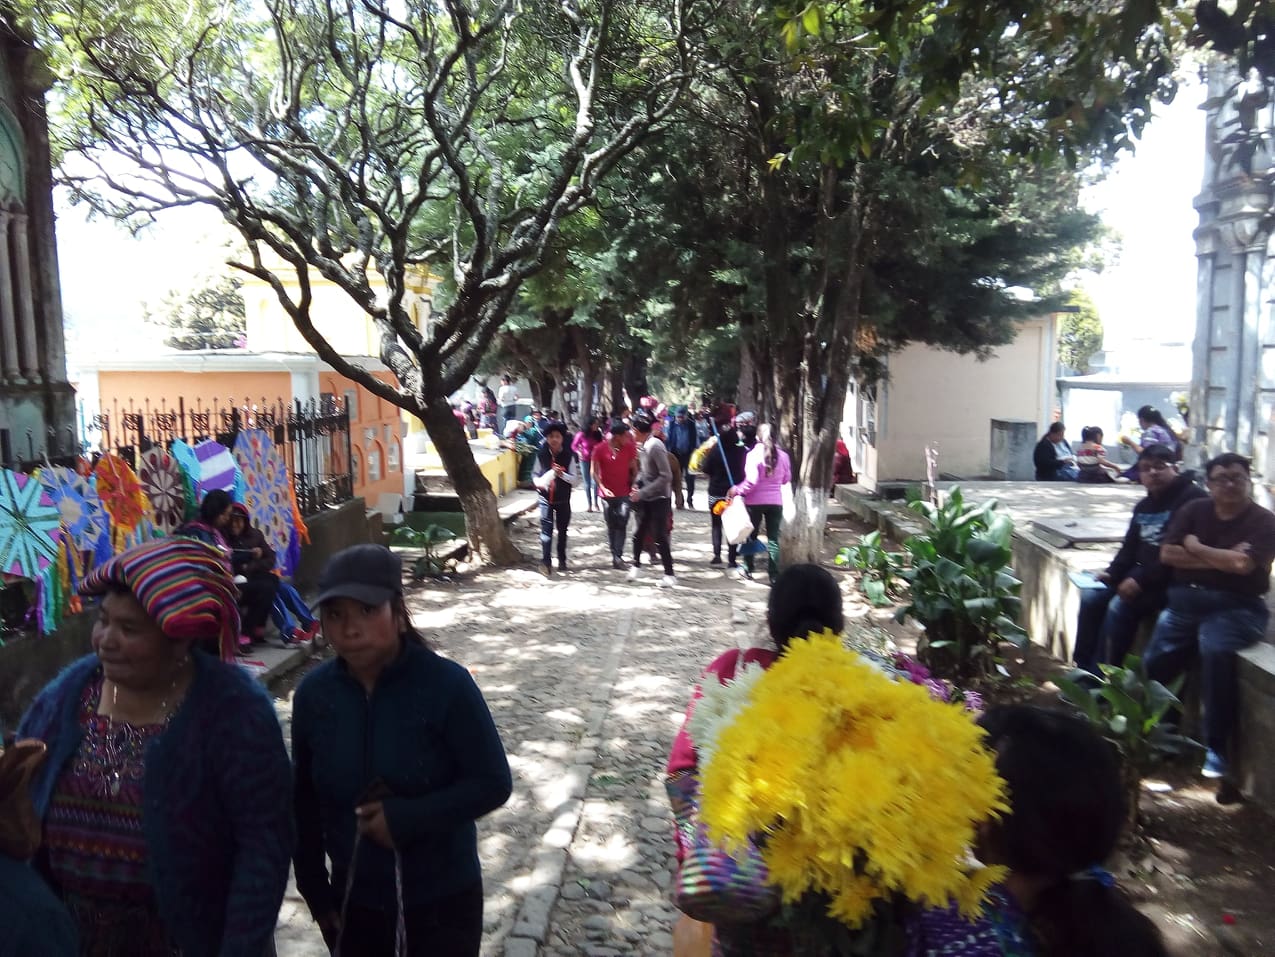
(655, 475)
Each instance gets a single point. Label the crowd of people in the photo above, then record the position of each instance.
(640, 467)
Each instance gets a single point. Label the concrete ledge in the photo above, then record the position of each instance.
(330, 531)
(28, 664)
(1255, 770)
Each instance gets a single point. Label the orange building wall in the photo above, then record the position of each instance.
(371, 414)
(210, 388)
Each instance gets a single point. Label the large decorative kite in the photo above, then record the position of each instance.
(29, 528)
(164, 485)
(266, 490)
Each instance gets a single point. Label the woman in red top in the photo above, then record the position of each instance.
(804, 599)
(583, 444)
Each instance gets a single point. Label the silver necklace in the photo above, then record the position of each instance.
(122, 746)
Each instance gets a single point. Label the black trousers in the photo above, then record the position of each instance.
(560, 514)
(688, 477)
(617, 518)
(256, 598)
(449, 927)
(732, 551)
(653, 517)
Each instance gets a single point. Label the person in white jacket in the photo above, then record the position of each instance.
(555, 473)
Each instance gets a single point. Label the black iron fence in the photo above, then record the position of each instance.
(313, 436)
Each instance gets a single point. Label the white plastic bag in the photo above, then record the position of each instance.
(736, 525)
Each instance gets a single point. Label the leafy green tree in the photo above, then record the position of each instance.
(208, 317)
(362, 141)
(898, 167)
(1079, 332)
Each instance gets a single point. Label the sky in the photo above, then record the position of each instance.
(1146, 294)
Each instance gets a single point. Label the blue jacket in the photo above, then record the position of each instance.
(425, 735)
(216, 803)
(680, 437)
(35, 922)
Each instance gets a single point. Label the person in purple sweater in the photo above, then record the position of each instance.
(767, 469)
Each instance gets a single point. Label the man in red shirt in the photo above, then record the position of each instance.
(614, 464)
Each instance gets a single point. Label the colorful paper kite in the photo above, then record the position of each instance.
(164, 485)
(216, 467)
(121, 493)
(29, 528)
(266, 489)
(84, 520)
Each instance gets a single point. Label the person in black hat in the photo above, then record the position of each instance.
(395, 756)
(555, 473)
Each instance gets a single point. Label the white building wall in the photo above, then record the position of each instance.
(939, 398)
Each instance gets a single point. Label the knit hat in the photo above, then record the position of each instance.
(185, 585)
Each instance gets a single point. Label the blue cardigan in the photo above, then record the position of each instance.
(216, 789)
(426, 735)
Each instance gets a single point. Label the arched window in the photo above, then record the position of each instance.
(374, 459)
(391, 455)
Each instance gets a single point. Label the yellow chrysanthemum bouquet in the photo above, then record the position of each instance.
(863, 790)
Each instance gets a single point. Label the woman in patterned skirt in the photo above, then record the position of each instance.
(165, 800)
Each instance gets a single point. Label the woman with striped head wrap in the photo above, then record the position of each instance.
(165, 798)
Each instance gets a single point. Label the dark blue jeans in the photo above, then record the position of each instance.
(559, 513)
(289, 610)
(1108, 625)
(1211, 625)
(653, 519)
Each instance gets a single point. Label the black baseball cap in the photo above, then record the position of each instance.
(371, 574)
(619, 426)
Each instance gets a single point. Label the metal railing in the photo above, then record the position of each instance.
(313, 436)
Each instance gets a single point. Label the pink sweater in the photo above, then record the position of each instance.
(758, 488)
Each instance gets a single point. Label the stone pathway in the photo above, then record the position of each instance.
(587, 676)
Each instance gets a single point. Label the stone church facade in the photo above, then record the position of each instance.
(37, 404)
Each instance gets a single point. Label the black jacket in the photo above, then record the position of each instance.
(1139, 555)
(1046, 460)
(715, 467)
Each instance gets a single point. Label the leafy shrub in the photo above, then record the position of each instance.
(961, 590)
(878, 569)
(1132, 712)
(428, 565)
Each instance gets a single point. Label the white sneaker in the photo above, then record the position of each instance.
(741, 573)
(634, 573)
(668, 581)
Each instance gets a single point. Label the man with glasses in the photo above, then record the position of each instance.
(1220, 551)
(1135, 582)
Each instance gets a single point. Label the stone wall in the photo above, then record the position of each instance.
(330, 531)
(28, 664)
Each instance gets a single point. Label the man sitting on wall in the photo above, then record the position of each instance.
(1135, 581)
(1220, 550)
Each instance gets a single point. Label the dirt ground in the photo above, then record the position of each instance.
(1201, 871)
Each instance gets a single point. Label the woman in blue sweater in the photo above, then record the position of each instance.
(396, 756)
(164, 799)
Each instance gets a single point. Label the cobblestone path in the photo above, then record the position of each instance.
(587, 676)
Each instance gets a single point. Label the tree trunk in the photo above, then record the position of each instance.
(615, 379)
(635, 383)
(584, 361)
(489, 540)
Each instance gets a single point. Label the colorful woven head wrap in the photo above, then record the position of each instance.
(183, 584)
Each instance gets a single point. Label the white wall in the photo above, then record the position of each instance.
(947, 400)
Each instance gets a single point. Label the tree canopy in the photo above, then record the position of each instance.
(348, 138)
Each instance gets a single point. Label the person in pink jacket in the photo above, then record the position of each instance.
(767, 469)
(585, 441)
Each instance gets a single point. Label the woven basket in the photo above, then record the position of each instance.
(713, 885)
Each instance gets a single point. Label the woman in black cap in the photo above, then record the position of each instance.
(395, 757)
